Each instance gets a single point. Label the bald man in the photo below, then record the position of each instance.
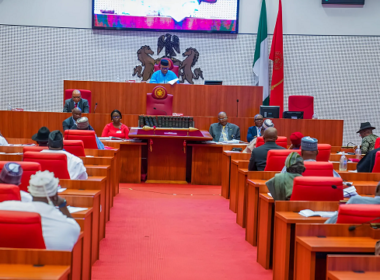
(223, 130)
(258, 159)
(76, 101)
(256, 130)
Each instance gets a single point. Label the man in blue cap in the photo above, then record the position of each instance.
(164, 75)
(309, 151)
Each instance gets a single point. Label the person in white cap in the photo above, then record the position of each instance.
(59, 229)
(75, 166)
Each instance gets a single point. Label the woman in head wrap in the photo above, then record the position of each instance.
(281, 185)
(295, 138)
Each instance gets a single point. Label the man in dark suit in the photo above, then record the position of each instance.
(223, 130)
(256, 130)
(367, 163)
(71, 123)
(76, 101)
(258, 159)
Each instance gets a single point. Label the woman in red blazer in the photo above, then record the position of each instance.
(116, 128)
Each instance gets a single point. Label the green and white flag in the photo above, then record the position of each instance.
(261, 60)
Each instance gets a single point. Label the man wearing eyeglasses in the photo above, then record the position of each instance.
(223, 130)
(164, 75)
(256, 130)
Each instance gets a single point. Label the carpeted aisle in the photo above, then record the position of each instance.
(154, 234)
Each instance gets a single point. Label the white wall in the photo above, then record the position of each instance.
(299, 16)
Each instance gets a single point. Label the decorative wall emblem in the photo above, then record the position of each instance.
(171, 45)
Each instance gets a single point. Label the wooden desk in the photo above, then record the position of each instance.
(236, 165)
(207, 162)
(314, 241)
(343, 267)
(87, 198)
(285, 219)
(84, 219)
(227, 158)
(28, 271)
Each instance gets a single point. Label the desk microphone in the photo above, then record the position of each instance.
(160, 110)
(352, 228)
(96, 105)
(237, 107)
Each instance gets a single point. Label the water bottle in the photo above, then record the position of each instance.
(9, 108)
(358, 152)
(343, 163)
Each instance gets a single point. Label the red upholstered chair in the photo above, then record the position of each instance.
(172, 67)
(281, 141)
(161, 100)
(317, 189)
(377, 143)
(318, 168)
(21, 230)
(324, 151)
(358, 213)
(29, 168)
(87, 137)
(85, 93)
(9, 192)
(376, 167)
(276, 159)
(74, 147)
(53, 162)
(33, 149)
(302, 103)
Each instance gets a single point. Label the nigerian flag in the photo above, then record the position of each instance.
(261, 60)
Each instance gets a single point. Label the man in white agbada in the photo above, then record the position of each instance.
(3, 141)
(59, 229)
(11, 174)
(75, 166)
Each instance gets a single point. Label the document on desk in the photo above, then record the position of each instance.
(310, 213)
(172, 82)
(73, 209)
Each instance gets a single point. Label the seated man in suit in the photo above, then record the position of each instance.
(76, 101)
(71, 123)
(83, 124)
(367, 163)
(164, 75)
(60, 231)
(357, 199)
(258, 159)
(223, 130)
(256, 130)
(75, 166)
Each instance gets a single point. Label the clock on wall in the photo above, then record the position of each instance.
(344, 2)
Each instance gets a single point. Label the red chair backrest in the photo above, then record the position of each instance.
(376, 167)
(317, 189)
(276, 159)
(377, 143)
(324, 151)
(9, 192)
(281, 141)
(318, 168)
(74, 147)
(21, 230)
(87, 136)
(172, 67)
(53, 162)
(358, 213)
(302, 103)
(85, 93)
(33, 149)
(29, 168)
(161, 100)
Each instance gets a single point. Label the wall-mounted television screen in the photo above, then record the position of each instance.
(167, 15)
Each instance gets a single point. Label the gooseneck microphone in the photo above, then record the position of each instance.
(96, 105)
(237, 107)
(160, 110)
(352, 228)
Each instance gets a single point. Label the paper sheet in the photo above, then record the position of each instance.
(73, 209)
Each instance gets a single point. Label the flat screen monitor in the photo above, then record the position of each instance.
(271, 112)
(293, 115)
(213, 83)
(220, 16)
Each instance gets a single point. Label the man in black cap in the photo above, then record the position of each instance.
(164, 75)
(42, 136)
(75, 166)
(368, 139)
